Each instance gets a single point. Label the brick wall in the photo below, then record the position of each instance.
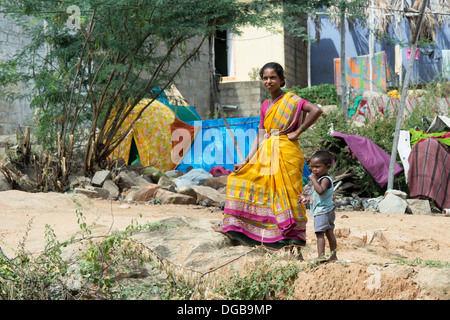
(246, 95)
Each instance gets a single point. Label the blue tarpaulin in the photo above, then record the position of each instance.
(213, 144)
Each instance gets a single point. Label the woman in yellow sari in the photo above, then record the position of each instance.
(261, 205)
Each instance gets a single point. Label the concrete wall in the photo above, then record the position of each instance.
(246, 95)
(16, 113)
(194, 81)
(253, 49)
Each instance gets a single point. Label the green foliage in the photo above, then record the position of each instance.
(30, 277)
(264, 281)
(424, 263)
(379, 130)
(123, 51)
(323, 94)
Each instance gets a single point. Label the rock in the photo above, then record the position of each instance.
(371, 204)
(204, 192)
(4, 184)
(193, 177)
(188, 191)
(78, 181)
(141, 181)
(100, 177)
(88, 193)
(392, 203)
(27, 183)
(167, 184)
(173, 174)
(418, 206)
(124, 181)
(434, 282)
(153, 173)
(189, 242)
(397, 193)
(102, 193)
(112, 188)
(168, 197)
(144, 193)
(216, 182)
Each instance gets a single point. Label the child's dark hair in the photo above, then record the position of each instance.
(278, 69)
(323, 156)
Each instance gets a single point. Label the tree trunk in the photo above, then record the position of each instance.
(402, 100)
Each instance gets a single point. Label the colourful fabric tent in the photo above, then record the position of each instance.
(151, 135)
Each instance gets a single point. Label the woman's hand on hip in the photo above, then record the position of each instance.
(238, 167)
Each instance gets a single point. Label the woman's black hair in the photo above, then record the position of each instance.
(278, 69)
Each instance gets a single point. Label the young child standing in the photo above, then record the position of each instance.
(321, 202)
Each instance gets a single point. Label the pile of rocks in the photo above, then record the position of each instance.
(150, 184)
(393, 201)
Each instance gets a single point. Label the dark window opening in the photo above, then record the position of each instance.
(221, 53)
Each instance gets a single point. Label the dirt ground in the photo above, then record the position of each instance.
(368, 243)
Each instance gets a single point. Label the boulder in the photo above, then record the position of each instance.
(193, 177)
(418, 206)
(112, 189)
(216, 182)
(153, 173)
(187, 191)
(172, 174)
(101, 192)
(88, 193)
(167, 184)
(124, 181)
(4, 184)
(144, 193)
(207, 193)
(190, 242)
(168, 197)
(392, 203)
(100, 177)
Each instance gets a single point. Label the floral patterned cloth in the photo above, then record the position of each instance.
(151, 134)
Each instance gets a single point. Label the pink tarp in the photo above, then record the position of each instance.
(374, 159)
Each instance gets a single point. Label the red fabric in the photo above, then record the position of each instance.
(429, 172)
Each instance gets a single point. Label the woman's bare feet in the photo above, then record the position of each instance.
(219, 228)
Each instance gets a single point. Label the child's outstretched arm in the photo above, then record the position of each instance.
(303, 199)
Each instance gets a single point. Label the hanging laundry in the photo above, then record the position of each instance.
(358, 75)
(398, 59)
(446, 64)
(408, 53)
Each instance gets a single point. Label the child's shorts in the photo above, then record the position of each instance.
(324, 222)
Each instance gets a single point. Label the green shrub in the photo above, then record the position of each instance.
(323, 94)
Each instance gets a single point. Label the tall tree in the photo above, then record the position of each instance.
(93, 60)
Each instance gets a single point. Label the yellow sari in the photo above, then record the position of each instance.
(261, 205)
